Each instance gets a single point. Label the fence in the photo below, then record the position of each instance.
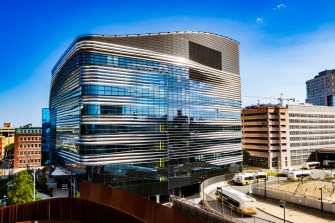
(65, 209)
(200, 212)
(138, 206)
(267, 190)
(98, 203)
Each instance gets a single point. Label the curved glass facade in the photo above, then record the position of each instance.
(148, 113)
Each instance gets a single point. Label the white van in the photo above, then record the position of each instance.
(298, 174)
(287, 170)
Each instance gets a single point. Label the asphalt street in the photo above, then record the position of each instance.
(260, 216)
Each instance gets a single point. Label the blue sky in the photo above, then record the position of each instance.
(282, 43)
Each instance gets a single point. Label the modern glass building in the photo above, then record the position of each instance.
(321, 89)
(150, 113)
(46, 136)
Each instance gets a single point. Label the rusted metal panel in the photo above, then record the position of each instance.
(133, 204)
(65, 210)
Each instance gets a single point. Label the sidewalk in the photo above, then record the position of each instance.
(292, 214)
(57, 192)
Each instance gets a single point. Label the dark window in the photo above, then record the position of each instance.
(111, 109)
(205, 55)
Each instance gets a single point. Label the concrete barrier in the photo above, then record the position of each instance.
(295, 198)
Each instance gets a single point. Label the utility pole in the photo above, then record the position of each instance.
(74, 186)
(321, 201)
(302, 174)
(265, 188)
(34, 182)
(203, 192)
(283, 205)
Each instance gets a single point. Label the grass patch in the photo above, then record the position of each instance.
(297, 182)
(288, 182)
(273, 173)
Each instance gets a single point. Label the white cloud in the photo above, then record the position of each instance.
(259, 20)
(280, 6)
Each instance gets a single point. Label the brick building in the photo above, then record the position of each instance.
(27, 147)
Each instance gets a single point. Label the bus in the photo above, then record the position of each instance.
(298, 174)
(244, 178)
(328, 163)
(311, 165)
(247, 178)
(261, 176)
(236, 200)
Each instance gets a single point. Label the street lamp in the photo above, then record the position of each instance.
(4, 200)
(203, 192)
(331, 170)
(220, 198)
(302, 175)
(283, 205)
(321, 200)
(34, 175)
(72, 191)
(265, 188)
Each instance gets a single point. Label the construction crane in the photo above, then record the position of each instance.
(281, 99)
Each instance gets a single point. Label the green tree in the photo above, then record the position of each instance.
(22, 189)
(3, 187)
(41, 184)
(9, 150)
(246, 156)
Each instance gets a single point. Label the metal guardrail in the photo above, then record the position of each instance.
(202, 213)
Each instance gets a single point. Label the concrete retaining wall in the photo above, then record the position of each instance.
(307, 201)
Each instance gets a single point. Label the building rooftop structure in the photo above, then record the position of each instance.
(7, 130)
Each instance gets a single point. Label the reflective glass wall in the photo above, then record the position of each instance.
(147, 120)
(46, 139)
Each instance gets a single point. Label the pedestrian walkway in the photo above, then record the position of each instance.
(57, 192)
(292, 214)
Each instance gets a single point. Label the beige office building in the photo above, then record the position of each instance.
(279, 137)
(265, 135)
(7, 137)
(312, 129)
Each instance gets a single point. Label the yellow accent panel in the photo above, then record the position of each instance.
(161, 162)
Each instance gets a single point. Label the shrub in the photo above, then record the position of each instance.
(49, 191)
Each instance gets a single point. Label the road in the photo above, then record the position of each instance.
(264, 207)
(5, 167)
(260, 216)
